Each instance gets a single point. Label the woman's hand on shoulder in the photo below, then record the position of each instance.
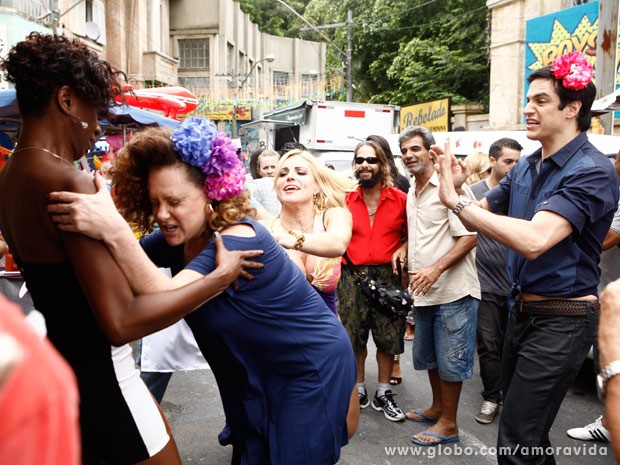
(232, 264)
(93, 215)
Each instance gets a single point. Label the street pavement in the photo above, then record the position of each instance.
(195, 413)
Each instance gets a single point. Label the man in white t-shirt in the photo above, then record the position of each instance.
(262, 189)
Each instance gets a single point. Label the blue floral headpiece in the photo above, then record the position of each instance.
(200, 144)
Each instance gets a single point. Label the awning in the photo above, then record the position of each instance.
(126, 114)
(606, 104)
(296, 114)
(123, 115)
(268, 122)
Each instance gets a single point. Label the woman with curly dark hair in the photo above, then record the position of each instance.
(90, 308)
(282, 360)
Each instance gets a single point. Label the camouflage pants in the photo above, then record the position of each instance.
(359, 318)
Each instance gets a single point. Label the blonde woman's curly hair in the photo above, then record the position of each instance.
(333, 186)
(152, 149)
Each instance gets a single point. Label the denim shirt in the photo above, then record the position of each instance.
(578, 183)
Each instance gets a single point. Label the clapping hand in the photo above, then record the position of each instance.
(452, 173)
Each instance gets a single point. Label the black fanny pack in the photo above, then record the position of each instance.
(385, 297)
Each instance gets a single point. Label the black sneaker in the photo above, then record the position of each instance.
(387, 404)
(364, 401)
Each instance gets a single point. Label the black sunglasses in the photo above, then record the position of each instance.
(369, 160)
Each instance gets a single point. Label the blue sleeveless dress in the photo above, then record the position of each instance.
(283, 362)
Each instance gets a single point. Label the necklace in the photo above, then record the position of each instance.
(309, 229)
(45, 150)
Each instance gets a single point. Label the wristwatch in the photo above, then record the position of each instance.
(605, 375)
(464, 201)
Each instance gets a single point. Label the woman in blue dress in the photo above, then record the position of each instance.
(91, 312)
(283, 362)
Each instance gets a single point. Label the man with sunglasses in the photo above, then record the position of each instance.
(445, 288)
(379, 224)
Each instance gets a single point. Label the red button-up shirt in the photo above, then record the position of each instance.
(375, 245)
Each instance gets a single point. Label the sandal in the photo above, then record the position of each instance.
(395, 380)
(423, 418)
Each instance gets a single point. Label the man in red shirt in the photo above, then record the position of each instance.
(379, 225)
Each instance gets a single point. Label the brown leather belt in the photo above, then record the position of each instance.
(556, 307)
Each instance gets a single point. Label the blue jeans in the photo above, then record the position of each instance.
(541, 358)
(445, 337)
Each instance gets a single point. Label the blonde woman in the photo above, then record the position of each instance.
(314, 225)
(478, 167)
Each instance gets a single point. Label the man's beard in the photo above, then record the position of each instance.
(371, 182)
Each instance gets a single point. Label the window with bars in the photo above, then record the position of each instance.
(194, 53)
(308, 85)
(280, 79)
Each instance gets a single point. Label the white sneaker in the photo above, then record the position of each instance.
(487, 412)
(592, 432)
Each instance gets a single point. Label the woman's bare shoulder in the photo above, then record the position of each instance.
(337, 212)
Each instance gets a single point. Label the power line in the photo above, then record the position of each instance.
(312, 26)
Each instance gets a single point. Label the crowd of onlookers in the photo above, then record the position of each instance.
(497, 252)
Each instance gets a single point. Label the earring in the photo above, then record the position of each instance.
(79, 121)
(210, 207)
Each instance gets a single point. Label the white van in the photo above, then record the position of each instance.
(466, 142)
(340, 161)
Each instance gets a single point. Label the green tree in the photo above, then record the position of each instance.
(407, 51)
(404, 51)
(273, 18)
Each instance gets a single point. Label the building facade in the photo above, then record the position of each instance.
(507, 56)
(208, 46)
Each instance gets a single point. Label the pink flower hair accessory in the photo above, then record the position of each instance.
(200, 144)
(574, 70)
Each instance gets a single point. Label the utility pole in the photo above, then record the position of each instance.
(606, 56)
(348, 55)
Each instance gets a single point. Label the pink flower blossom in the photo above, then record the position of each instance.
(574, 70)
(227, 185)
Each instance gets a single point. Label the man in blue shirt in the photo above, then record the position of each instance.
(552, 210)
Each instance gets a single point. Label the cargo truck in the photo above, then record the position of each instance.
(326, 126)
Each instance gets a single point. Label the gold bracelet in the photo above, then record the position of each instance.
(299, 243)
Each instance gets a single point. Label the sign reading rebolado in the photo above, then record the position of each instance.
(433, 115)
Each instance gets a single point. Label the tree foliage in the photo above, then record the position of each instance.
(404, 51)
(273, 18)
